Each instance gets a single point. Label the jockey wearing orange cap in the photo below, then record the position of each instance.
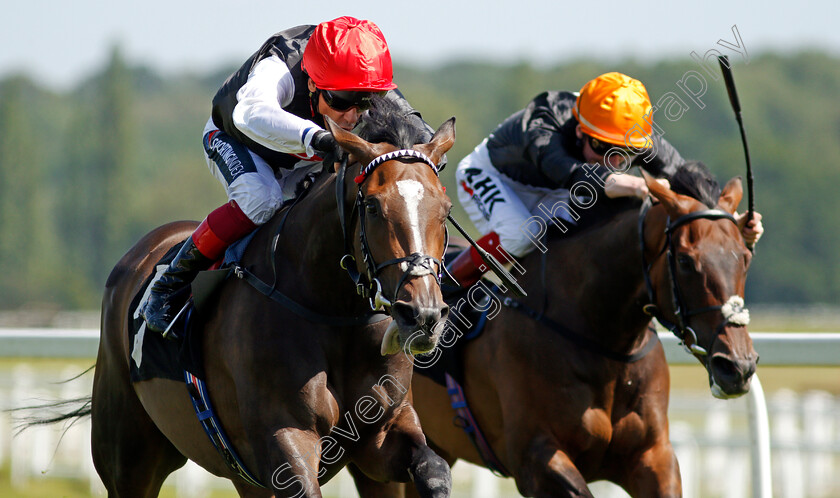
(266, 133)
(541, 152)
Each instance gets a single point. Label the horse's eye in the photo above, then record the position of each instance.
(371, 208)
(685, 262)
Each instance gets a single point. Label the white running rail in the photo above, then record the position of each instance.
(777, 349)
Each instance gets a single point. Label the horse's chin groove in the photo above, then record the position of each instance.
(719, 393)
(425, 348)
(391, 340)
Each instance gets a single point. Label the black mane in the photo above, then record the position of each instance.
(695, 180)
(386, 122)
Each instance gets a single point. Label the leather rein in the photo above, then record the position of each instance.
(368, 284)
(682, 328)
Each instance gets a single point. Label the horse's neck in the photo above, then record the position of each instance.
(606, 290)
(309, 248)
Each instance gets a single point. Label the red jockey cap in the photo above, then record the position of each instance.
(349, 54)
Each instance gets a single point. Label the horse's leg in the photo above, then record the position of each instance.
(130, 454)
(293, 463)
(656, 473)
(247, 491)
(547, 471)
(368, 488)
(401, 454)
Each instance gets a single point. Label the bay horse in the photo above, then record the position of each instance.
(298, 398)
(570, 385)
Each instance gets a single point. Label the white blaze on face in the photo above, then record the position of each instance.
(412, 193)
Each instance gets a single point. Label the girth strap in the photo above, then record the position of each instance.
(213, 427)
(465, 420)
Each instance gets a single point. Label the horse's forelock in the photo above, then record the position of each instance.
(695, 180)
(385, 122)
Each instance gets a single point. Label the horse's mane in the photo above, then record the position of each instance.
(386, 122)
(695, 180)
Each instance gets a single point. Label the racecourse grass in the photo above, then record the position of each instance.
(49, 487)
(43, 488)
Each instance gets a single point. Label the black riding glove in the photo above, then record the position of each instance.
(324, 143)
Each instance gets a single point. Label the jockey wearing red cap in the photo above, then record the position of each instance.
(265, 135)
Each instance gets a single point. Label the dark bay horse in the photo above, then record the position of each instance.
(558, 412)
(298, 399)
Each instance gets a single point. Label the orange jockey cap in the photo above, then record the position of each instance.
(612, 105)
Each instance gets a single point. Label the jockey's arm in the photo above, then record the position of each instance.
(626, 185)
(260, 116)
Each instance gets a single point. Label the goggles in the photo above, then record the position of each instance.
(602, 148)
(345, 100)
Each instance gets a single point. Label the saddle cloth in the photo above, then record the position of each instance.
(152, 356)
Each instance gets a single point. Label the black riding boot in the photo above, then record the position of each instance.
(157, 311)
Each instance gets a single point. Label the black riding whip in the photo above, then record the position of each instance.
(493, 263)
(729, 80)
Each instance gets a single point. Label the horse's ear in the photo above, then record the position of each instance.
(360, 149)
(731, 196)
(442, 141)
(675, 204)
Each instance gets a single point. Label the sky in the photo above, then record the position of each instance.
(58, 43)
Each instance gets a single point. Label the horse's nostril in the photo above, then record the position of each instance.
(422, 318)
(404, 313)
(724, 368)
(737, 370)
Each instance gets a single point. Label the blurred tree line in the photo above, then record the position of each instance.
(84, 174)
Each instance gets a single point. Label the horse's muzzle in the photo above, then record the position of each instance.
(416, 328)
(731, 368)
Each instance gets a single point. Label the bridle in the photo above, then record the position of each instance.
(368, 284)
(733, 310)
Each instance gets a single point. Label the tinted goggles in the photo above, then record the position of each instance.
(601, 148)
(345, 100)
